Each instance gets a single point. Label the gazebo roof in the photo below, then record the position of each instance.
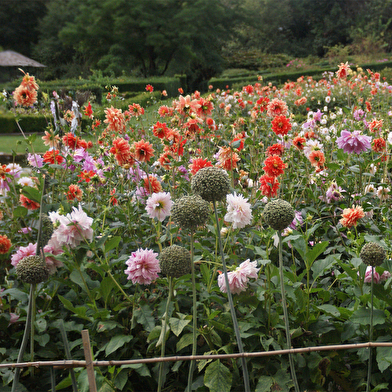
(8, 58)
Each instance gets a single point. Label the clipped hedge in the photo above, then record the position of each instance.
(29, 124)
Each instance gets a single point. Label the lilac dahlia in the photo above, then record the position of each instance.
(354, 142)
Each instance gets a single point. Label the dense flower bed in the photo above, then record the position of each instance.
(119, 210)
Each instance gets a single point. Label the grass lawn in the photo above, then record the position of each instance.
(17, 143)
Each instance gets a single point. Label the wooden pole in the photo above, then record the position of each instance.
(89, 360)
(63, 364)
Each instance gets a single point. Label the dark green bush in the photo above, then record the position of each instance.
(33, 123)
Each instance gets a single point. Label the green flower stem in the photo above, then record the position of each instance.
(25, 338)
(231, 304)
(163, 344)
(369, 373)
(32, 329)
(286, 316)
(194, 320)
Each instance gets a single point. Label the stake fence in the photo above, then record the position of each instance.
(90, 364)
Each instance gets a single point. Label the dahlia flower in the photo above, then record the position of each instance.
(73, 229)
(353, 142)
(159, 205)
(239, 278)
(238, 211)
(143, 266)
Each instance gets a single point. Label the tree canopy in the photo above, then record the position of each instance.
(159, 37)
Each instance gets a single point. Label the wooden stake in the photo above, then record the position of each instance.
(89, 360)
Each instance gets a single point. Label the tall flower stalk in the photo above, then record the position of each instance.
(285, 315)
(231, 304)
(213, 184)
(175, 261)
(373, 255)
(189, 212)
(163, 333)
(279, 214)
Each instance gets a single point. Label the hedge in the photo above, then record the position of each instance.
(98, 88)
(38, 123)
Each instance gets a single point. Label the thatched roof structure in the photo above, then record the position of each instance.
(8, 58)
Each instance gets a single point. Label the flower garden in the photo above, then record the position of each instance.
(171, 237)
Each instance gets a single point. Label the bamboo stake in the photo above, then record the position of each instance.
(63, 364)
(89, 360)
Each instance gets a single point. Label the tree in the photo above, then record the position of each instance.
(61, 59)
(119, 34)
(19, 24)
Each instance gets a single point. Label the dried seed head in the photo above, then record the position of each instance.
(31, 269)
(278, 214)
(175, 261)
(46, 230)
(372, 254)
(211, 183)
(189, 212)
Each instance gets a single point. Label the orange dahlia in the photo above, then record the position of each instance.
(5, 244)
(74, 192)
(52, 157)
(274, 166)
(281, 125)
(351, 216)
(143, 151)
(29, 204)
(269, 185)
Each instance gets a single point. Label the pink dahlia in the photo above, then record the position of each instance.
(238, 279)
(23, 252)
(159, 205)
(354, 142)
(143, 266)
(368, 275)
(238, 211)
(73, 229)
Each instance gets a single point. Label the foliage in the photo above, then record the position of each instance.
(327, 295)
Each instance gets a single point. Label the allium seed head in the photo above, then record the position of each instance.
(278, 214)
(32, 269)
(175, 261)
(189, 212)
(372, 254)
(211, 183)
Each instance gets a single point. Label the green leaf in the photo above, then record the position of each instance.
(144, 316)
(20, 212)
(300, 245)
(112, 243)
(41, 325)
(31, 193)
(80, 311)
(218, 377)
(319, 266)
(185, 341)
(116, 342)
(315, 252)
(15, 293)
(381, 387)
(355, 169)
(106, 287)
(362, 316)
(329, 309)
(265, 383)
(177, 325)
(384, 358)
